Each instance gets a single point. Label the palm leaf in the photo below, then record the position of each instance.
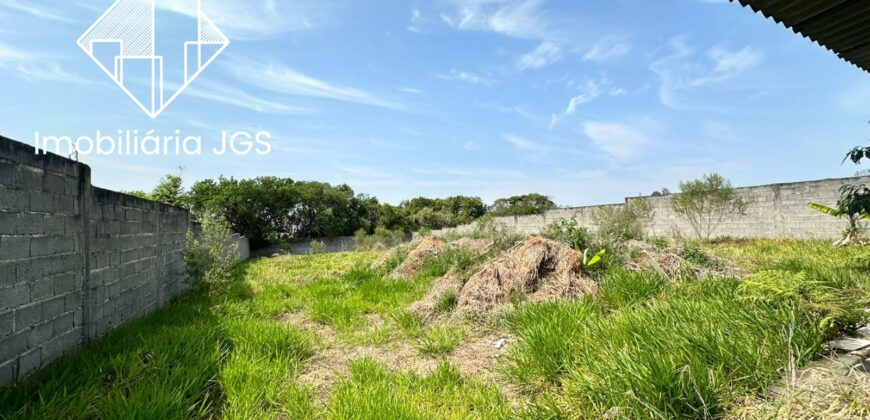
(827, 210)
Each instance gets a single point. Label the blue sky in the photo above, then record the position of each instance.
(585, 101)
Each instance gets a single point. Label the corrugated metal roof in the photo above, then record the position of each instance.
(842, 26)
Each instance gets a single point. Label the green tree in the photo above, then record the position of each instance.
(705, 203)
(170, 190)
(522, 205)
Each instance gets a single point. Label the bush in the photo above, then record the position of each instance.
(382, 238)
(623, 223)
(316, 247)
(207, 255)
(567, 231)
(502, 237)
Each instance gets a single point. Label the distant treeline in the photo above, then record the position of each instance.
(272, 210)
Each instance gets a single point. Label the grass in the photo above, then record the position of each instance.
(373, 392)
(647, 348)
(643, 347)
(440, 340)
(216, 351)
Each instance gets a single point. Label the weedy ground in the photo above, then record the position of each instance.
(324, 336)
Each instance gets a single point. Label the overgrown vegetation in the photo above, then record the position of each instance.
(642, 346)
(207, 254)
(705, 203)
(623, 223)
(382, 238)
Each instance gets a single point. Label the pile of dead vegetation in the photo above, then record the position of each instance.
(535, 269)
(411, 259)
(673, 262)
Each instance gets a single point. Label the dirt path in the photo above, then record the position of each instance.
(476, 357)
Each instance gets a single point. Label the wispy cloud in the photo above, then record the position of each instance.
(515, 18)
(534, 148)
(545, 54)
(282, 79)
(257, 18)
(608, 48)
(416, 24)
(35, 9)
(622, 142)
(589, 90)
(410, 90)
(31, 66)
(229, 95)
(681, 72)
(467, 77)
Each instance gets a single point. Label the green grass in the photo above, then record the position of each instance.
(647, 348)
(643, 347)
(440, 340)
(372, 392)
(216, 351)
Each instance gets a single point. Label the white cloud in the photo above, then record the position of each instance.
(589, 91)
(256, 18)
(621, 141)
(31, 66)
(467, 77)
(680, 73)
(35, 9)
(13, 55)
(282, 79)
(608, 48)
(416, 21)
(545, 54)
(410, 90)
(514, 18)
(229, 95)
(520, 143)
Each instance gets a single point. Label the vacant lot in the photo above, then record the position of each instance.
(327, 336)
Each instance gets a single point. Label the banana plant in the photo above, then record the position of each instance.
(853, 232)
(595, 260)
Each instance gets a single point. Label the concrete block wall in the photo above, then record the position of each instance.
(77, 261)
(775, 211)
(135, 258)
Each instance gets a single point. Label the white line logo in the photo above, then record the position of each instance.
(153, 51)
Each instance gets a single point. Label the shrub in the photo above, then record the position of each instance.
(316, 247)
(623, 223)
(382, 238)
(693, 253)
(567, 231)
(208, 255)
(706, 202)
(502, 236)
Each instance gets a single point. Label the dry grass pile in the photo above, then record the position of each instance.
(426, 248)
(535, 269)
(672, 262)
(481, 245)
(836, 388)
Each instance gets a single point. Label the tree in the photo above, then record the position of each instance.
(705, 203)
(522, 205)
(170, 190)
